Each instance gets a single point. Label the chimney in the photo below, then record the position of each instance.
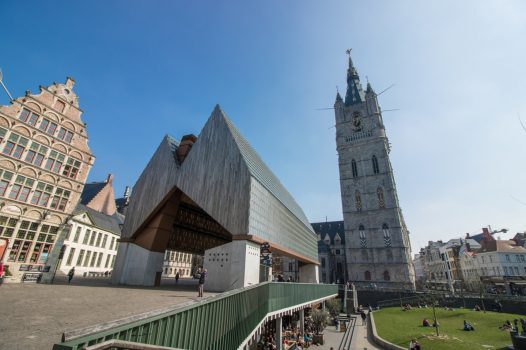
(185, 146)
(109, 180)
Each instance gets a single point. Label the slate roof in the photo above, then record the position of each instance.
(331, 228)
(259, 170)
(502, 246)
(90, 191)
(102, 221)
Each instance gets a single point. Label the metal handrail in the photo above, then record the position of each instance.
(225, 321)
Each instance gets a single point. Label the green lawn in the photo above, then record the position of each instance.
(399, 327)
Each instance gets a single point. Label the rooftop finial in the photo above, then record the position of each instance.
(354, 89)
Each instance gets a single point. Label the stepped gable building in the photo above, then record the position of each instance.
(331, 251)
(95, 228)
(378, 250)
(212, 195)
(44, 163)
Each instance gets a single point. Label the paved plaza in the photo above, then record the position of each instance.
(34, 316)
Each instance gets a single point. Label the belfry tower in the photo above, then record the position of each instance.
(377, 246)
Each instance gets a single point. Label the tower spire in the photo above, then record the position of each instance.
(355, 92)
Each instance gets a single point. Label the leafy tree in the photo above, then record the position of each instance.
(320, 319)
(333, 306)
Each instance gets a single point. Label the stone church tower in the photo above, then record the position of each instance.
(378, 250)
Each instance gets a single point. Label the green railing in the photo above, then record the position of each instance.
(221, 322)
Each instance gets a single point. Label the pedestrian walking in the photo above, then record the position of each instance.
(364, 317)
(336, 323)
(202, 278)
(177, 277)
(71, 273)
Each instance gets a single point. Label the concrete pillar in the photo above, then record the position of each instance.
(309, 273)
(279, 333)
(232, 265)
(136, 265)
(302, 322)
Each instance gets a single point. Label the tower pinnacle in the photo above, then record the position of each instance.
(355, 92)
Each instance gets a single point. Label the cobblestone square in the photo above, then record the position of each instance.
(34, 316)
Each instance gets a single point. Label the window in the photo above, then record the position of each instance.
(20, 251)
(65, 135)
(93, 236)
(99, 259)
(86, 237)
(516, 270)
(107, 260)
(70, 256)
(518, 257)
(59, 106)
(47, 233)
(337, 252)
(71, 169)
(79, 259)
(386, 276)
(24, 115)
(358, 200)
(15, 146)
(99, 238)
(40, 253)
(36, 154)
(27, 116)
(104, 241)
(42, 194)
(77, 234)
(113, 260)
(60, 199)
(376, 169)
(7, 226)
(363, 240)
(5, 178)
(507, 257)
(354, 168)
(505, 270)
(48, 126)
(54, 162)
(367, 275)
(27, 230)
(93, 259)
(323, 262)
(387, 235)
(88, 256)
(21, 188)
(2, 134)
(381, 200)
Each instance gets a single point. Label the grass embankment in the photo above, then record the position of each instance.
(399, 327)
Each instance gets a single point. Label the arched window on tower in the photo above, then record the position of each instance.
(376, 169)
(387, 235)
(381, 199)
(358, 200)
(363, 239)
(386, 276)
(354, 168)
(367, 275)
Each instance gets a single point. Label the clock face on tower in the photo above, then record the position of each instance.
(356, 122)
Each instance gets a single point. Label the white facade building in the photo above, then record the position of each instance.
(185, 263)
(91, 244)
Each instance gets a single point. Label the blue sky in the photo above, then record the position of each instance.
(145, 69)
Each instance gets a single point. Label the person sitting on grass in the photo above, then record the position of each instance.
(468, 326)
(414, 345)
(425, 323)
(477, 308)
(506, 326)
